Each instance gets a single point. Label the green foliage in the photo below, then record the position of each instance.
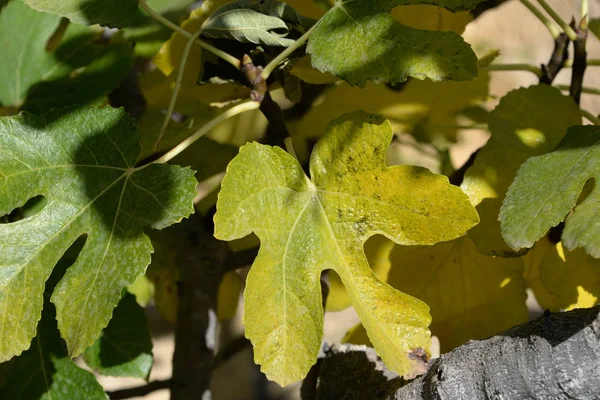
(308, 225)
(81, 191)
(378, 48)
(111, 13)
(527, 122)
(92, 154)
(124, 347)
(547, 187)
(252, 22)
(37, 78)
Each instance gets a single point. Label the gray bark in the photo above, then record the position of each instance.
(554, 357)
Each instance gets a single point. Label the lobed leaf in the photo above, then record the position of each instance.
(45, 371)
(527, 122)
(308, 225)
(82, 161)
(547, 187)
(376, 47)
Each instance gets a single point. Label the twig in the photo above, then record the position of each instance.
(217, 52)
(551, 25)
(286, 53)
(233, 111)
(175, 94)
(139, 391)
(566, 28)
(232, 348)
(579, 60)
(584, 89)
(590, 117)
(514, 67)
(277, 130)
(557, 60)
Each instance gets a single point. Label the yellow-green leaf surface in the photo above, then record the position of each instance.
(572, 277)
(374, 46)
(377, 251)
(82, 161)
(428, 104)
(471, 296)
(547, 188)
(308, 225)
(527, 122)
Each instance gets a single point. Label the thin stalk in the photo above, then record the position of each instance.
(572, 35)
(233, 111)
(175, 94)
(584, 89)
(514, 67)
(590, 117)
(551, 25)
(585, 10)
(286, 53)
(592, 61)
(217, 52)
(289, 147)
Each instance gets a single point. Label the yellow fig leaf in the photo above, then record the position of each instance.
(357, 335)
(471, 296)
(306, 225)
(527, 122)
(229, 295)
(533, 261)
(572, 276)
(377, 250)
(420, 103)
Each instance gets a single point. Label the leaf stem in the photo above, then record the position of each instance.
(590, 117)
(561, 22)
(233, 111)
(174, 95)
(585, 10)
(217, 52)
(551, 25)
(584, 89)
(286, 53)
(514, 67)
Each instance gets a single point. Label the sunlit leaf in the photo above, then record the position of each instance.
(376, 47)
(46, 371)
(82, 161)
(308, 225)
(425, 104)
(527, 122)
(547, 187)
(377, 250)
(572, 277)
(471, 296)
(124, 347)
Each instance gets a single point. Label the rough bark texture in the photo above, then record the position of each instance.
(202, 267)
(556, 356)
